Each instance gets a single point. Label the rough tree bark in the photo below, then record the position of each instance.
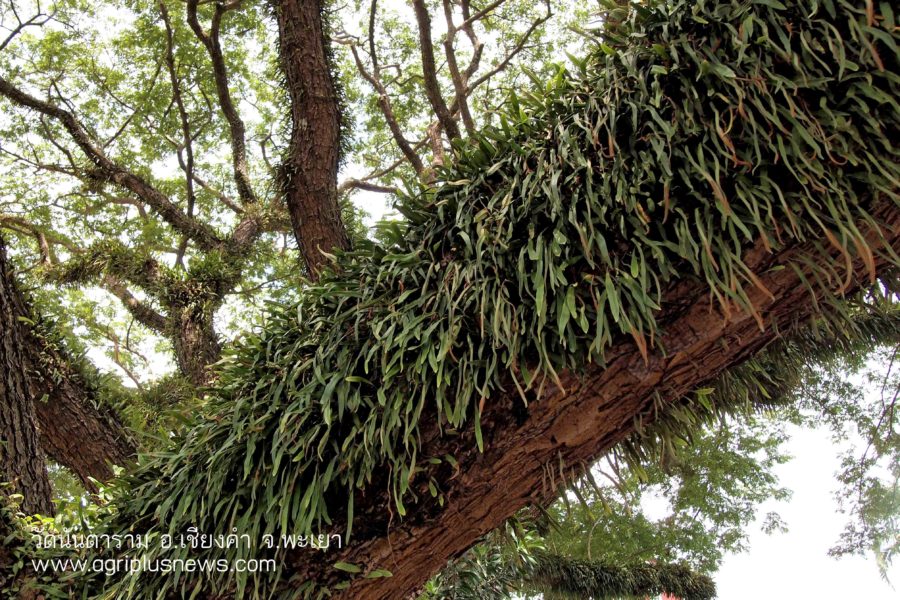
(78, 434)
(568, 428)
(196, 344)
(309, 174)
(21, 458)
(75, 429)
(429, 71)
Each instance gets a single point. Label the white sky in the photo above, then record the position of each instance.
(796, 564)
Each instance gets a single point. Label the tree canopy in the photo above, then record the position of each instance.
(666, 229)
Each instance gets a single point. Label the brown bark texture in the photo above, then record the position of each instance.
(21, 458)
(529, 453)
(429, 71)
(75, 428)
(309, 174)
(196, 345)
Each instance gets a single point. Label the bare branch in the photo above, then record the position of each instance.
(429, 71)
(123, 201)
(43, 236)
(135, 110)
(387, 110)
(203, 183)
(361, 184)
(520, 45)
(218, 194)
(477, 44)
(394, 165)
(117, 358)
(49, 136)
(220, 74)
(187, 163)
(373, 13)
(470, 19)
(265, 156)
(118, 345)
(37, 20)
(142, 313)
(437, 143)
(459, 83)
(39, 166)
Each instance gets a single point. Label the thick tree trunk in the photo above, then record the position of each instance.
(309, 174)
(529, 453)
(75, 429)
(79, 433)
(21, 458)
(196, 344)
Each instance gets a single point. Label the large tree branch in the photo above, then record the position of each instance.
(142, 313)
(576, 422)
(429, 71)
(309, 174)
(204, 236)
(75, 429)
(21, 455)
(220, 74)
(122, 263)
(387, 110)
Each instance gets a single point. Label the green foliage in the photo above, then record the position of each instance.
(12, 537)
(494, 568)
(515, 563)
(689, 134)
(855, 397)
(567, 579)
(105, 61)
(21, 538)
(704, 497)
(161, 407)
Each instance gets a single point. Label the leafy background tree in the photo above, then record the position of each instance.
(704, 494)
